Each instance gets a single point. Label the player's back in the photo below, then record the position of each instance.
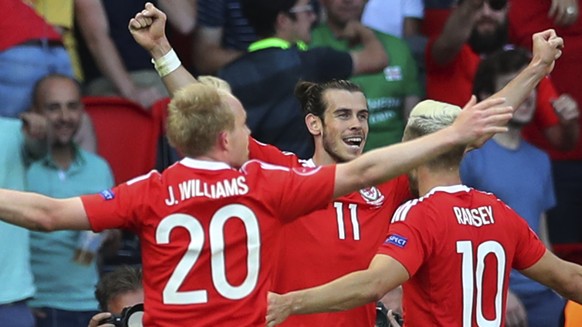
(208, 234)
(459, 246)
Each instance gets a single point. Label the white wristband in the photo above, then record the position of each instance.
(167, 63)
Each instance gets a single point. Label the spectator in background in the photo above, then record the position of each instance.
(475, 29)
(19, 140)
(520, 175)
(30, 48)
(116, 65)
(391, 93)
(117, 290)
(401, 18)
(63, 280)
(564, 223)
(264, 78)
(222, 35)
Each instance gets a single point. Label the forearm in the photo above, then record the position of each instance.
(27, 210)
(521, 86)
(210, 59)
(356, 290)
(177, 79)
(39, 212)
(111, 66)
(181, 14)
(373, 57)
(455, 34)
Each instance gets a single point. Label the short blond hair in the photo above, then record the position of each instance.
(216, 82)
(197, 114)
(430, 116)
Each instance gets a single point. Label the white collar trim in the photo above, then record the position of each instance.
(204, 164)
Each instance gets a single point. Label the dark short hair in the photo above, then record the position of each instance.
(122, 280)
(312, 95)
(40, 82)
(262, 14)
(501, 62)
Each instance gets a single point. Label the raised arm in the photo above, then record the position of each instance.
(475, 122)
(456, 32)
(148, 28)
(355, 289)
(372, 57)
(42, 213)
(547, 48)
(92, 22)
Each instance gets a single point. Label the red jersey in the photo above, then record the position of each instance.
(459, 245)
(208, 235)
(459, 75)
(329, 243)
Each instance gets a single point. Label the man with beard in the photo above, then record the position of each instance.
(520, 175)
(64, 295)
(475, 29)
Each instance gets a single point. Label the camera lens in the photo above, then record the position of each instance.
(497, 4)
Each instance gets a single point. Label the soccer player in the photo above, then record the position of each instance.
(209, 225)
(342, 237)
(454, 247)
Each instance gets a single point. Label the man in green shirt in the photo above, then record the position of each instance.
(391, 93)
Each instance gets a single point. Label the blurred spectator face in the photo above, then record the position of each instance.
(345, 124)
(340, 12)
(304, 18)
(490, 19)
(490, 30)
(121, 301)
(524, 113)
(59, 100)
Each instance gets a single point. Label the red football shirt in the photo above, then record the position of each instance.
(208, 235)
(453, 83)
(459, 245)
(328, 243)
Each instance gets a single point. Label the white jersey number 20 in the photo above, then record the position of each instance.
(171, 295)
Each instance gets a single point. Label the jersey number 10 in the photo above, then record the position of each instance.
(473, 277)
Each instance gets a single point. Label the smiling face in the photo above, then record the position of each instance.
(59, 100)
(345, 124)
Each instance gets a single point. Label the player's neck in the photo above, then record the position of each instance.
(322, 158)
(431, 178)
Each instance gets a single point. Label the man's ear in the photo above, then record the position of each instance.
(223, 141)
(314, 124)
